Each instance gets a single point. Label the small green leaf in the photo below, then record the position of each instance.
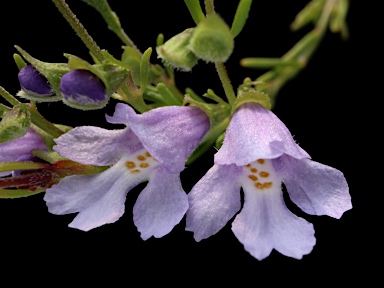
(144, 69)
(167, 94)
(19, 61)
(240, 17)
(310, 13)
(265, 63)
(15, 123)
(132, 59)
(195, 10)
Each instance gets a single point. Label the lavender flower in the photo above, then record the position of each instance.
(20, 149)
(81, 89)
(33, 83)
(153, 147)
(258, 154)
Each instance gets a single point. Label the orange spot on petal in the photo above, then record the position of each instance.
(253, 170)
(261, 161)
(264, 174)
(258, 185)
(130, 164)
(144, 165)
(141, 157)
(252, 177)
(135, 171)
(267, 185)
(147, 154)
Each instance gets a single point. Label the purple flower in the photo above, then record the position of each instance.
(20, 149)
(153, 147)
(258, 154)
(33, 83)
(82, 88)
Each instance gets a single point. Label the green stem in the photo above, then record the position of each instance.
(7, 96)
(17, 193)
(209, 7)
(43, 123)
(79, 29)
(223, 75)
(10, 166)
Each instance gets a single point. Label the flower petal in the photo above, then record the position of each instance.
(99, 198)
(265, 223)
(20, 148)
(170, 133)
(120, 116)
(213, 201)
(316, 188)
(256, 133)
(161, 205)
(96, 146)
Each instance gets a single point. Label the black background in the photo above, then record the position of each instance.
(319, 107)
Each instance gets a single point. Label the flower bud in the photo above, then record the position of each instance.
(175, 52)
(33, 83)
(212, 40)
(82, 89)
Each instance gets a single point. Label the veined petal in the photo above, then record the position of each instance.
(96, 146)
(256, 133)
(316, 188)
(265, 223)
(20, 148)
(213, 201)
(169, 133)
(99, 199)
(161, 205)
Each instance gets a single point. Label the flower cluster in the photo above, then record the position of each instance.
(89, 170)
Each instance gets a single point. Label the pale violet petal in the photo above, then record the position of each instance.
(20, 148)
(96, 146)
(256, 133)
(161, 205)
(120, 116)
(316, 188)
(169, 133)
(99, 198)
(213, 201)
(265, 223)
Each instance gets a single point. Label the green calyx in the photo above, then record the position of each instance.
(175, 51)
(212, 40)
(252, 96)
(15, 123)
(111, 74)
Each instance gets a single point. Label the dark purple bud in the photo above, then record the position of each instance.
(32, 82)
(81, 88)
